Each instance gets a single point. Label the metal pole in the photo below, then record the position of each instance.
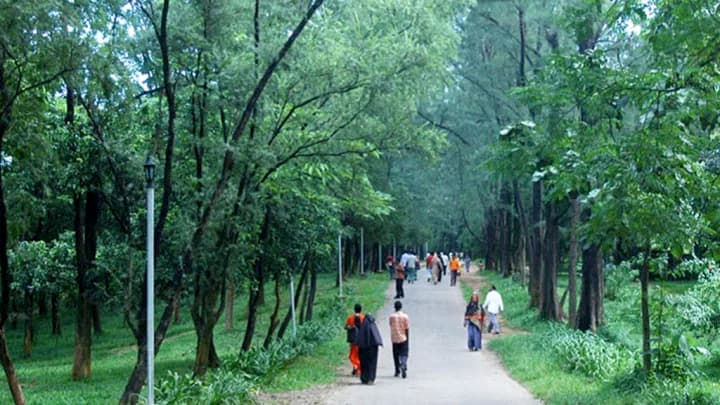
(150, 292)
(339, 247)
(292, 304)
(362, 251)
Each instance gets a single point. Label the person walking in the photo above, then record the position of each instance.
(468, 262)
(493, 305)
(399, 280)
(352, 325)
(445, 260)
(368, 341)
(428, 266)
(454, 269)
(411, 267)
(474, 317)
(400, 337)
(436, 268)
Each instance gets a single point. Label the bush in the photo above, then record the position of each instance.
(691, 269)
(619, 280)
(219, 387)
(234, 382)
(587, 353)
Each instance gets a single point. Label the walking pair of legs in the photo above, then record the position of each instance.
(474, 337)
(399, 291)
(494, 324)
(400, 358)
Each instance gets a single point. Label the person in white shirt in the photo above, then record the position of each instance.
(493, 305)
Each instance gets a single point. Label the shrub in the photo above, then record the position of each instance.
(587, 353)
(240, 375)
(691, 269)
(619, 280)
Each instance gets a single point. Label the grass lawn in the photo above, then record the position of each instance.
(45, 375)
(532, 362)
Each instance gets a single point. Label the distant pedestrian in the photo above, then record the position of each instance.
(454, 269)
(399, 280)
(428, 266)
(368, 340)
(436, 268)
(352, 325)
(468, 262)
(474, 317)
(400, 337)
(493, 305)
(411, 267)
(390, 266)
(445, 259)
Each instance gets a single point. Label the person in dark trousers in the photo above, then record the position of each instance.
(400, 337)
(368, 340)
(399, 280)
(474, 317)
(352, 324)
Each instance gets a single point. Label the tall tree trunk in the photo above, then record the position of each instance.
(505, 230)
(229, 305)
(96, 321)
(55, 314)
(572, 271)
(549, 308)
(591, 294)
(256, 283)
(536, 246)
(82, 356)
(298, 290)
(274, 316)
(310, 302)
(28, 338)
(42, 304)
(645, 309)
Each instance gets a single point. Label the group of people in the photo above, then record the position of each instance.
(475, 317)
(439, 264)
(404, 269)
(364, 338)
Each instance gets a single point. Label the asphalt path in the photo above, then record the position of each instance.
(441, 369)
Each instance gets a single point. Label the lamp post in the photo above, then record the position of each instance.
(150, 331)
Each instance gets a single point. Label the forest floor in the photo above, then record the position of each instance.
(440, 367)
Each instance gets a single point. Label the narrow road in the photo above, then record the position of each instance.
(441, 370)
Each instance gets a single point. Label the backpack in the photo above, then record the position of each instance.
(353, 330)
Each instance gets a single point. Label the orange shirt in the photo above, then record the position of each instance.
(350, 321)
(454, 264)
(399, 325)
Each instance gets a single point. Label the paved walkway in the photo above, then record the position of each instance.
(441, 370)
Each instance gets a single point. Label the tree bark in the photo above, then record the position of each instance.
(573, 254)
(28, 338)
(549, 308)
(298, 290)
(82, 355)
(229, 303)
(590, 313)
(312, 291)
(274, 316)
(645, 309)
(55, 314)
(536, 245)
(256, 283)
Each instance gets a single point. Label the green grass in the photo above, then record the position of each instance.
(321, 366)
(45, 375)
(531, 362)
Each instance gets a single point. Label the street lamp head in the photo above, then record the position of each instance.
(149, 171)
